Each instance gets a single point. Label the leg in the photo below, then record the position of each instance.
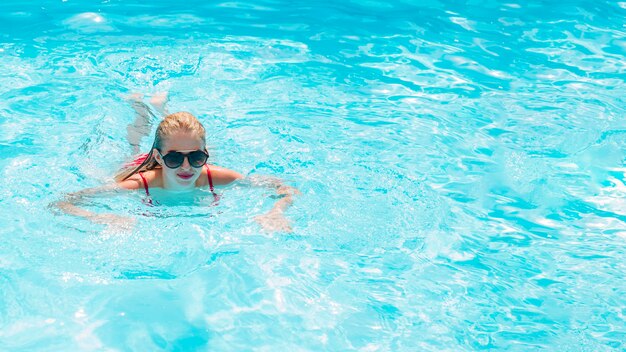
(143, 122)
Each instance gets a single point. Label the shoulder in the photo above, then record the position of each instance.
(221, 175)
(152, 177)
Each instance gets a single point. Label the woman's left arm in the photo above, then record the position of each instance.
(274, 220)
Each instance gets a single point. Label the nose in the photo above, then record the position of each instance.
(186, 164)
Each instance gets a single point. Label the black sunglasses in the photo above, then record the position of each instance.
(174, 159)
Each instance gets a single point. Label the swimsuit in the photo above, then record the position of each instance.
(139, 159)
(148, 201)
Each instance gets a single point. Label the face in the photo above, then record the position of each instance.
(183, 177)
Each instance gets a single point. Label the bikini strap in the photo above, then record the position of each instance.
(208, 174)
(216, 198)
(145, 183)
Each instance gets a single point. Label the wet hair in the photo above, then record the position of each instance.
(172, 123)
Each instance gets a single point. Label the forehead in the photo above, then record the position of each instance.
(182, 141)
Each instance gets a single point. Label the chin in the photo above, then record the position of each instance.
(178, 184)
(190, 183)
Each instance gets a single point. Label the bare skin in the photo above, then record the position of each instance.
(272, 221)
(275, 220)
(144, 117)
(184, 177)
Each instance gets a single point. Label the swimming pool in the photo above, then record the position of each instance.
(461, 166)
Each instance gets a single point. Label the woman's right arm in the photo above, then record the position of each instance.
(72, 202)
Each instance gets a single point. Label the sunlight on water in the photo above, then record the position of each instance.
(461, 168)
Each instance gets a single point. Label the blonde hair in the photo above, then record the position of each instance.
(172, 123)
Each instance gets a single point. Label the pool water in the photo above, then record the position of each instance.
(461, 165)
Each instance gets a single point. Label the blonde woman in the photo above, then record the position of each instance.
(177, 161)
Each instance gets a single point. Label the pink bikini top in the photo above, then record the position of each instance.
(208, 174)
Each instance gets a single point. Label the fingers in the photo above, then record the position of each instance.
(273, 223)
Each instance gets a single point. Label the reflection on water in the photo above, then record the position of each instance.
(461, 168)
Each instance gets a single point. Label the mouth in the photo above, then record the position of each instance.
(185, 175)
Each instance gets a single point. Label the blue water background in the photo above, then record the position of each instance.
(461, 165)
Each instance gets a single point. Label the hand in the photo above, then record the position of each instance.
(274, 221)
(287, 190)
(114, 223)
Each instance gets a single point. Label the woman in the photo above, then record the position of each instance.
(177, 161)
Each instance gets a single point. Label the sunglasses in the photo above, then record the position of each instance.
(174, 160)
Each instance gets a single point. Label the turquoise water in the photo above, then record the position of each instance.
(461, 165)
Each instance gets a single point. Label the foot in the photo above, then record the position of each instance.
(135, 97)
(158, 101)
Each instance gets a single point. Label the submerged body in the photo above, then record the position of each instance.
(177, 162)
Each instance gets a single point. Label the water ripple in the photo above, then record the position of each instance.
(461, 168)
